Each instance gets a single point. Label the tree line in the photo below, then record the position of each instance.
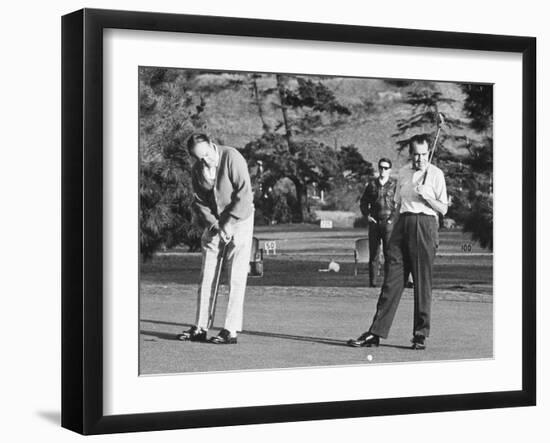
(288, 155)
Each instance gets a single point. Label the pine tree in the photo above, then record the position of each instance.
(169, 113)
(464, 150)
(288, 149)
(426, 102)
(477, 211)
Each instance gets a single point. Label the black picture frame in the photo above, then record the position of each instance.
(82, 218)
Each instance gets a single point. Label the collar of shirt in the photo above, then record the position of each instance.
(217, 154)
(210, 171)
(419, 170)
(409, 179)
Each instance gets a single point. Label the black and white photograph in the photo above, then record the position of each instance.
(246, 221)
(295, 220)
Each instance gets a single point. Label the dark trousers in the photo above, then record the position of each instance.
(379, 233)
(411, 248)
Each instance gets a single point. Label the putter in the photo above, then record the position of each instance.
(217, 277)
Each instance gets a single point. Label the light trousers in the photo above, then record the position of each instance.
(237, 264)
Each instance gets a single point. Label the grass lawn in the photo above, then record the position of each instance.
(287, 328)
(304, 249)
(296, 316)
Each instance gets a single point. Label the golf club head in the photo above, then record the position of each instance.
(440, 119)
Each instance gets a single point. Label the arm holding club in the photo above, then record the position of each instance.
(440, 122)
(428, 194)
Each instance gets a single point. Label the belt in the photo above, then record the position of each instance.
(417, 214)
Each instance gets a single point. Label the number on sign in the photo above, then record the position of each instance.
(466, 247)
(270, 247)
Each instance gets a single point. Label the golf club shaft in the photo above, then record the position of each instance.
(217, 278)
(431, 154)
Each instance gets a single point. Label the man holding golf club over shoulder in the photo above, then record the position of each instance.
(223, 200)
(420, 195)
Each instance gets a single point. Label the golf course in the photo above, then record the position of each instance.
(297, 316)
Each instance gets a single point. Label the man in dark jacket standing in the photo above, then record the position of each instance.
(378, 207)
(224, 203)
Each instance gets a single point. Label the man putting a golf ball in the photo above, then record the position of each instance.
(224, 202)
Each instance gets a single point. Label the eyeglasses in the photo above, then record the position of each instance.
(384, 167)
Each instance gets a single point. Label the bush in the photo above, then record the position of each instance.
(479, 221)
(344, 195)
(282, 211)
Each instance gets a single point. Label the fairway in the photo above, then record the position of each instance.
(296, 316)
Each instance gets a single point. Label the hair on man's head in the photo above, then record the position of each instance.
(384, 160)
(418, 139)
(196, 138)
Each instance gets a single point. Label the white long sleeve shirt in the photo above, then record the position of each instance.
(405, 191)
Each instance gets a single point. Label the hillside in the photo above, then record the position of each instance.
(232, 115)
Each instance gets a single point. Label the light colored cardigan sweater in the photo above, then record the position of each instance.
(230, 199)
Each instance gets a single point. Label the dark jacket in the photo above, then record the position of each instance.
(378, 200)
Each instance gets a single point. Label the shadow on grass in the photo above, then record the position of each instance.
(320, 340)
(158, 334)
